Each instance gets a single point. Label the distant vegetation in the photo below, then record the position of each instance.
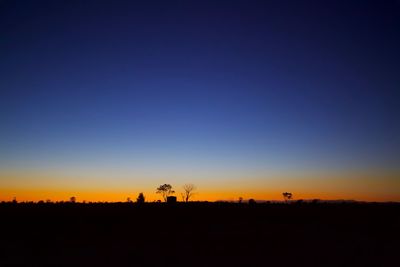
(140, 199)
(287, 196)
(189, 190)
(165, 190)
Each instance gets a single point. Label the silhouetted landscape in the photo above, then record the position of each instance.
(199, 234)
(234, 133)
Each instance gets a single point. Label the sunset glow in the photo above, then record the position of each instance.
(369, 186)
(102, 103)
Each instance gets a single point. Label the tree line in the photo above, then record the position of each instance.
(166, 191)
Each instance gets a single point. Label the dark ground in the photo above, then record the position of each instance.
(200, 234)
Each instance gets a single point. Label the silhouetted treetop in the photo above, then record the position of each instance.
(188, 191)
(287, 196)
(165, 190)
(140, 199)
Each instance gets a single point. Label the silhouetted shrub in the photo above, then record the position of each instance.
(140, 199)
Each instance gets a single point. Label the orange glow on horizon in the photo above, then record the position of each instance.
(362, 187)
(104, 196)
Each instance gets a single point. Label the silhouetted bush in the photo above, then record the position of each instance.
(140, 199)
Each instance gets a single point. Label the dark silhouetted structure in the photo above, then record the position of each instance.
(171, 199)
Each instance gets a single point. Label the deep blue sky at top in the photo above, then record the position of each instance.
(232, 84)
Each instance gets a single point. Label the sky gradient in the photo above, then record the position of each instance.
(106, 99)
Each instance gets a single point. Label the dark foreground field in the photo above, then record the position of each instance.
(200, 234)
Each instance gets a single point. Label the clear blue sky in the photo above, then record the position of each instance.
(190, 85)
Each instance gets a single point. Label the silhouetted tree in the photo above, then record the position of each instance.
(287, 196)
(252, 201)
(72, 199)
(140, 199)
(165, 190)
(315, 201)
(240, 200)
(188, 191)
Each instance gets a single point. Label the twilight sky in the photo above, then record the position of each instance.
(105, 99)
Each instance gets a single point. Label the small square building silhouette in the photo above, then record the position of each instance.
(171, 199)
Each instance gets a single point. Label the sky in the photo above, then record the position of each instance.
(105, 99)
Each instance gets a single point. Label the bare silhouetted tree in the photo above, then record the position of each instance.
(287, 196)
(140, 199)
(165, 190)
(188, 191)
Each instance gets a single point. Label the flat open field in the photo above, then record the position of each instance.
(199, 234)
